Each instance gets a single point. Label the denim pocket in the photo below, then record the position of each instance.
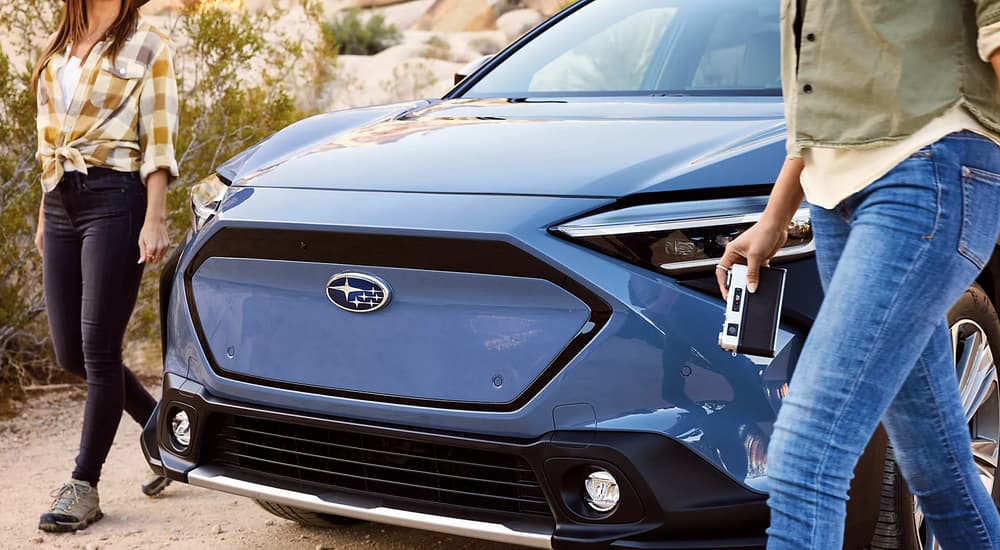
(980, 215)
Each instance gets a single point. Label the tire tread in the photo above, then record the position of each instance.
(306, 517)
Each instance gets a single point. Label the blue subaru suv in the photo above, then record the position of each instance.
(495, 314)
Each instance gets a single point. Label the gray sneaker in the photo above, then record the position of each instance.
(76, 506)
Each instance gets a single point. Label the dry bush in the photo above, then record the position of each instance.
(503, 6)
(23, 353)
(409, 81)
(438, 48)
(237, 72)
(353, 33)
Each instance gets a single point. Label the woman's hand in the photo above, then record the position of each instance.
(760, 243)
(153, 241)
(755, 247)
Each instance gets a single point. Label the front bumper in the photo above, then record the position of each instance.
(218, 479)
(671, 498)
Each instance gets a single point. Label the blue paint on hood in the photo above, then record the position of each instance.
(609, 147)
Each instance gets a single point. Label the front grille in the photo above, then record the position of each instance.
(392, 467)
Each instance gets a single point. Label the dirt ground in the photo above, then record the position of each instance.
(37, 456)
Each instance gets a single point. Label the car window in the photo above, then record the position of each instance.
(617, 58)
(740, 56)
(647, 47)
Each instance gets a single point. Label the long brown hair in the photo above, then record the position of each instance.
(73, 27)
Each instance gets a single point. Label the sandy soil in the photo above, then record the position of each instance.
(37, 455)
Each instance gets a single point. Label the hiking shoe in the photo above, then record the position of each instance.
(76, 506)
(154, 486)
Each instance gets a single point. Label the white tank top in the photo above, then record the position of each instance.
(69, 79)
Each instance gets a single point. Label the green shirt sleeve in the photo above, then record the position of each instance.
(987, 12)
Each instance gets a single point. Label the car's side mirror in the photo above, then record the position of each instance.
(471, 68)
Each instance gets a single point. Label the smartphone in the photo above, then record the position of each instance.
(750, 326)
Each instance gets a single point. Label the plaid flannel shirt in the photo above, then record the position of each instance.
(123, 115)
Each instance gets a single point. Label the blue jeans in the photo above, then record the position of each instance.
(892, 258)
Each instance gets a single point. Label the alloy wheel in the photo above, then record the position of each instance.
(977, 381)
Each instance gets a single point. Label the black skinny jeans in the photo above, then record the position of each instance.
(91, 277)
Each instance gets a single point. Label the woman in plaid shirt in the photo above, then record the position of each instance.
(107, 120)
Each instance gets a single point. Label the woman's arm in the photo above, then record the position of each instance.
(757, 245)
(40, 232)
(153, 239)
(787, 195)
(158, 105)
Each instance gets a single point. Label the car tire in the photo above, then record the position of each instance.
(900, 525)
(307, 517)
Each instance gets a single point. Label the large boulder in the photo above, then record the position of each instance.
(406, 14)
(160, 6)
(377, 3)
(458, 16)
(546, 7)
(166, 6)
(517, 22)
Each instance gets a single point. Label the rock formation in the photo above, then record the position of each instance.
(458, 16)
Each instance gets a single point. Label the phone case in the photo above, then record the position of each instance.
(751, 322)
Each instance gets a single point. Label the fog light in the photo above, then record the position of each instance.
(180, 427)
(602, 491)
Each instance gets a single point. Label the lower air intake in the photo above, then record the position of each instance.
(395, 468)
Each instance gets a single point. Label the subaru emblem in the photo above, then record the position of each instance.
(358, 293)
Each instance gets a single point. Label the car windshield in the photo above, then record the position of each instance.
(647, 47)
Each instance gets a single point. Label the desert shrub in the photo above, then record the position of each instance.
(438, 48)
(437, 41)
(501, 7)
(353, 34)
(236, 75)
(485, 45)
(23, 353)
(409, 81)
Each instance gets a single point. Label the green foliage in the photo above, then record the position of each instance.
(501, 7)
(236, 76)
(352, 34)
(23, 355)
(409, 80)
(438, 48)
(437, 42)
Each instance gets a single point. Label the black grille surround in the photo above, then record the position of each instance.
(472, 479)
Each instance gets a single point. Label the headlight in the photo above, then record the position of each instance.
(206, 196)
(681, 237)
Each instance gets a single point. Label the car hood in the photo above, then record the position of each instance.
(585, 148)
